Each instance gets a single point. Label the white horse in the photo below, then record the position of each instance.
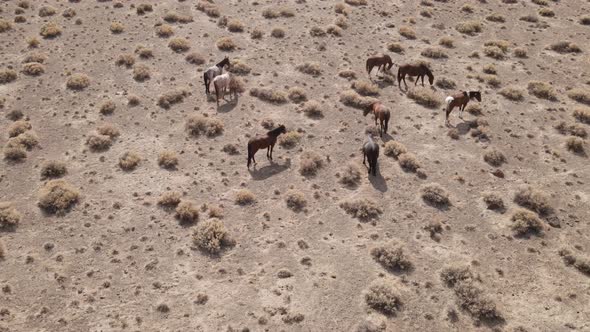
(221, 83)
(213, 72)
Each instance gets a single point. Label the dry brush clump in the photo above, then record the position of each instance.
(197, 125)
(5, 26)
(425, 97)
(363, 209)
(289, 140)
(141, 73)
(50, 30)
(208, 8)
(565, 47)
(297, 95)
(212, 236)
(144, 52)
(392, 257)
(383, 298)
(143, 8)
(78, 82)
(546, 12)
(126, 60)
(108, 130)
(351, 175)
(14, 153)
(169, 199)
(53, 169)
(575, 145)
(571, 129)
(179, 45)
(98, 142)
(435, 195)
(257, 33)
(277, 33)
(445, 83)
(580, 95)
(174, 17)
(117, 27)
(525, 222)
(187, 212)
(542, 90)
(225, 44)
(395, 47)
(268, 95)
(534, 200)
(128, 161)
(33, 69)
(57, 197)
(493, 201)
(310, 68)
(408, 162)
(365, 88)
(520, 52)
(19, 127)
(107, 108)
(353, 99)
(494, 157)
(469, 27)
(407, 32)
(582, 115)
(295, 200)
(7, 76)
(394, 149)
(313, 109)
(235, 25)
(512, 93)
(239, 68)
(310, 163)
(172, 97)
(580, 263)
(164, 30)
(317, 32)
(434, 53)
(9, 216)
(195, 58)
(244, 197)
(168, 159)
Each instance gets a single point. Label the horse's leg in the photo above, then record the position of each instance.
(364, 157)
(422, 80)
(417, 78)
(272, 147)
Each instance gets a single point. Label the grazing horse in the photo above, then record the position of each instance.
(214, 71)
(379, 62)
(460, 99)
(371, 152)
(221, 83)
(382, 114)
(260, 142)
(419, 70)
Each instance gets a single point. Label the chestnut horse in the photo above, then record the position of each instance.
(260, 142)
(214, 71)
(460, 100)
(382, 114)
(419, 70)
(379, 62)
(371, 152)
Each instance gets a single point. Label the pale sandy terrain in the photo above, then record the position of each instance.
(116, 260)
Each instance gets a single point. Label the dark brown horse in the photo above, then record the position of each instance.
(371, 152)
(380, 62)
(419, 70)
(460, 100)
(382, 114)
(260, 142)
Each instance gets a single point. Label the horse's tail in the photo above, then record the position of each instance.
(249, 154)
(449, 100)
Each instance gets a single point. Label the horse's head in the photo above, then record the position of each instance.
(226, 61)
(429, 73)
(475, 94)
(282, 129)
(367, 110)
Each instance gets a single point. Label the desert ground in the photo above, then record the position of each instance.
(126, 203)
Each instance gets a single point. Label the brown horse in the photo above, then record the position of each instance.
(419, 70)
(460, 100)
(382, 114)
(379, 62)
(260, 142)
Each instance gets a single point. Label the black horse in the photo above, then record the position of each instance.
(371, 152)
(214, 71)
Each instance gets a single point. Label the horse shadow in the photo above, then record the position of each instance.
(265, 172)
(378, 181)
(463, 128)
(228, 106)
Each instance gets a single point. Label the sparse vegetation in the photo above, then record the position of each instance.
(212, 237)
(45, 11)
(98, 142)
(497, 18)
(383, 298)
(469, 27)
(407, 32)
(353, 99)
(351, 175)
(392, 257)
(117, 27)
(172, 97)
(5, 25)
(313, 109)
(9, 216)
(129, 161)
(533, 199)
(565, 47)
(268, 95)
(447, 42)
(107, 108)
(78, 82)
(225, 44)
(197, 125)
(435, 195)
(141, 73)
(363, 209)
(50, 30)
(14, 153)
(297, 95)
(179, 45)
(542, 90)
(208, 8)
(425, 97)
(394, 149)
(310, 163)
(53, 169)
(126, 60)
(580, 95)
(310, 68)
(239, 68)
(169, 199)
(277, 33)
(356, 2)
(512, 93)
(395, 47)
(317, 32)
(245, 197)
(7, 76)
(365, 88)
(290, 139)
(494, 158)
(295, 200)
(580, 263)
(434, 53)
(19, 127)
(187, 212)
(235, 25)
(520, 52)
(168, 159)
(33, 69)
(582, 115)
(493, 201)
(408, 162)
(257, 33)
(164, 30)
(546, 12)
(57, 197)
(526, 222)
(575, 144)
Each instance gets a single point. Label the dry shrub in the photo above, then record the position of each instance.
(353, 99)
(295, 200)
(542, 90)
(141, 73)
(310, 163)
(575, 145)
(383, 298)
(53, 169)
(225, 44)
(143, 8)
(334, 30)
(580, 95)
(341, 22)
(19, 127)
(173, 97)
(297, 94)
(107, 108)
(268, 95)
(197, 125)
(493, 201)
(494, 157)
(582, 115)
(365, 88)
(512, 93)
(447, 42)
(78, 82)
(467, 8)
(425, 97)
(289, 140)
(209, 9)
(540, 2)
(3, 250)
(286, 12)
(341, 8)
(98, 142)
(407, 32)
(494, 52)
(69, 13)
(363, 209)
(164, 30)
(168, 159)
(317, 32)
(571, 129)
(235, 25)
(35, 57)
(434, 53)
(445, 83)
(117, 27)
(394, 149)
(12, 115)
(408, 162)
(57, 197)
(313, 109)
(580, 263)
(45, 11)
(533, 199)
(245, 197)
(15, 153)
(236, 85)
(187, 212)
(496, 18)
(392, 257)
(125, 60)
(212, 237)
(526, 222)
(310, 68)
(473, 300)
(585, 20)
(5, 25)
(179, 45)
(348, 74)
(129, 161)
(169, 199)
(277, 33)
(215, 211)
(474, 109)
(529, 18)
(144, 53)
(9, 216)
(356, 2)
(546, 12)
(565, 47)
(108, 130)
(435, 195)
(469, 27)
(351, 175)
(7, 76)
(23, 4)
(174, 17)
(520, 52)
(270, 13)
(33, 69)
(239, 68)
(256, 33)
(27, 140)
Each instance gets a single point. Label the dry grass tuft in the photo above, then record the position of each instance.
(383, 298)
(277, 33)
(14, 153)
(235, 25)
(129, 161)
(174, 17)
(434, 53)
(237, 85)
(392, 257)
(225, 44)
(353, 99)
(187, 212)
(197, 125)
(5, 25)
(447, 42)
(144, 52)
(33, 69)
(310, 163)
(496, 18)
(565, 47)
(394, 149)
(435, 195)
(169, 199)
(78, 82)
(245, 197)
(407, 32)
(33, 42)
(270, 13)
(341, 8)
(445, 83)
(173, 97)
(108, 130)
(493, 201)
(45, 11)
(494, 52)
(582, 115)
(289, 140)
(335, 29)
(526, 222)
(542, 90)
(351, 175)
(512, 93)
(117, 27)
(494, 158)
(3, 250)
(268, 95)
(313, 109)
(239, 68)
(168, 159)
(19, 127)
(141, 73)
(520, 52)
(363, 209)
(575, 144)
(580, 95)
(310, 68)
(408, 162)
(212, 237)
(7, 76)
(356, 2)
(57, 197)
(425, 97)
(98, 142)
(348, 74)
(580, 263)
(533, 199)
(295, 200)
(317, 32)
(365, 88)
(143, 8)
(53, 169)
(257, 33)
(209, 9)
(179, 45)
(529, 18)
(9, 216)
(125, 60)
(107, 108)
(297, 95)
(546, 12)
(395, 47)
(571, 129)
(469, 27)
(164, 30)
(585, 20)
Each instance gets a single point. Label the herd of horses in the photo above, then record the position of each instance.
(222, 82)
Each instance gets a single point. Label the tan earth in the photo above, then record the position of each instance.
(479, 226)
